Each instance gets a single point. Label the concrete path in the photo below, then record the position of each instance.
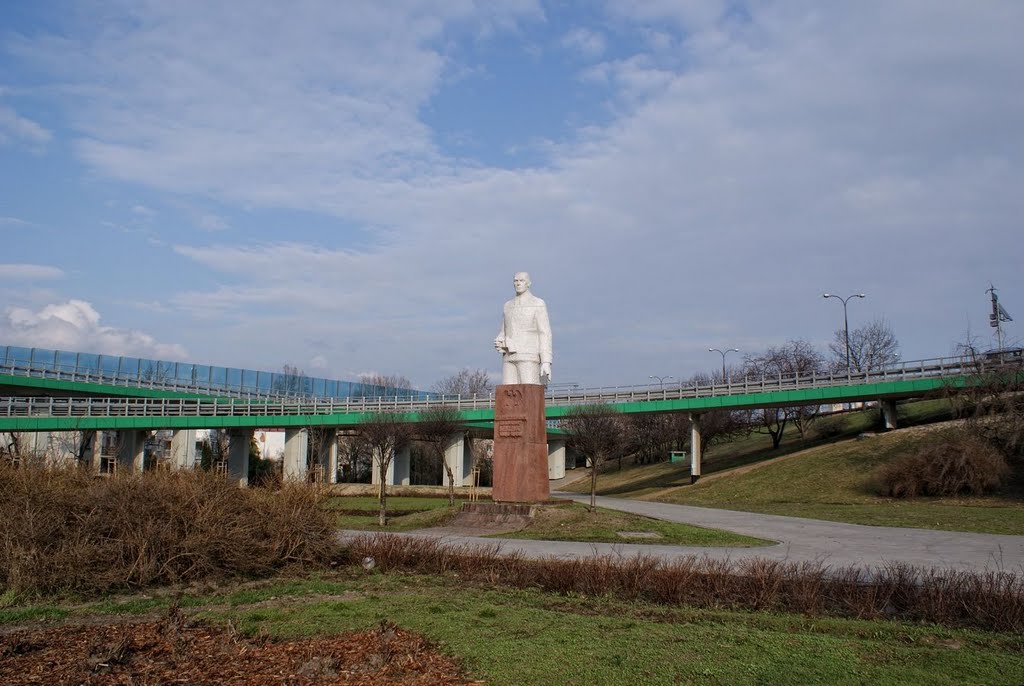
(798, 540)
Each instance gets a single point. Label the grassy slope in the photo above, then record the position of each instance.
(836, 482)
(824, 479)
(528, 637)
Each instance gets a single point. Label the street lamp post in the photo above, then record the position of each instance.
(846, 322)
(661, 379)
(723, 353)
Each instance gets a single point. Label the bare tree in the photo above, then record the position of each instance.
(385, 433)
(320, 438)
(872, 346)
(481, 452)
(355, 458)
(215, 451)
(789, 359)
(293, 381)
(718, 426)
(650, 437)
(10, 446)
(466, 382)
(74, 444)
(436, 427)
(992, 405)
(383, 386)
(599, 434)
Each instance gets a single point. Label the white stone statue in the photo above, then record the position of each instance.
(525, 337)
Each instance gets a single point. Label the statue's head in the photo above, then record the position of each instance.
(521, 282)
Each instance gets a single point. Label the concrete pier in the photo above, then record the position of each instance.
(296, 450)
(695, 448)
(238, 455)
(556, 459)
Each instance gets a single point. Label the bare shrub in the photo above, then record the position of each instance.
(987, 600)
(65, 530)
(952, 463)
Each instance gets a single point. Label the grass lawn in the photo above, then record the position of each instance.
(570, 522)
(836, 482)
(404, 513)
(528, 637)
(574, 522)
(820, 478)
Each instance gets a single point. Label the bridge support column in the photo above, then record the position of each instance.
(455, 460)
(888, 413)
(183, 449)
(131, 450)
(332, 459)
(389, 477)
(401, 467)
(238, 455)
(695, 448)
(296, 448)
(556, 459)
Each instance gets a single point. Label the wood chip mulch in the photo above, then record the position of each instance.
(179, 651)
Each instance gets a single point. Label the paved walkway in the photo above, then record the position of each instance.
(799, 540)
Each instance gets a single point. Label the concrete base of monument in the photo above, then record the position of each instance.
(494, 518)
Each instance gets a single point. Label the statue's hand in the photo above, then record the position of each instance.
(499, 345)
(545, 373)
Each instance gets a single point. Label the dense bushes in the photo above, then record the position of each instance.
(955, 462)
(986, 600)
(66, 530)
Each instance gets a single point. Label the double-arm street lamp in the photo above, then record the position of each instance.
(661, 379)
(846, 322)
(723, 353)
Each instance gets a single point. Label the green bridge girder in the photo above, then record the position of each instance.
(222, 413)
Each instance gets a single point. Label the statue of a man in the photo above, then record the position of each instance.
(525, 337)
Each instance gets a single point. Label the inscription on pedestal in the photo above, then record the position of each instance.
(513, 427)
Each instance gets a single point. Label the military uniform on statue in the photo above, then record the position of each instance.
(520, 431)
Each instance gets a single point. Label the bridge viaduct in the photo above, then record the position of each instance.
(43, 396)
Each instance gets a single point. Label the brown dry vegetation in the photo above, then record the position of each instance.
(176, 650)
(951, 463)
(65, 530)
(986, 600)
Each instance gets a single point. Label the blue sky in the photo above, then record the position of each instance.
(349, 187)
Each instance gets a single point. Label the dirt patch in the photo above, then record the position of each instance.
(179, 651)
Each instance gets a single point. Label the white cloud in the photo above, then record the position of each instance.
(75, 326)
(13, 221)
(18, 128)
(589, 44)
(214, 107)
(30, 272)
(750, 160)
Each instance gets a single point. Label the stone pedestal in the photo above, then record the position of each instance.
(520, 445)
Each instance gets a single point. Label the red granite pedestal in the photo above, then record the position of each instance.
(520, 445)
